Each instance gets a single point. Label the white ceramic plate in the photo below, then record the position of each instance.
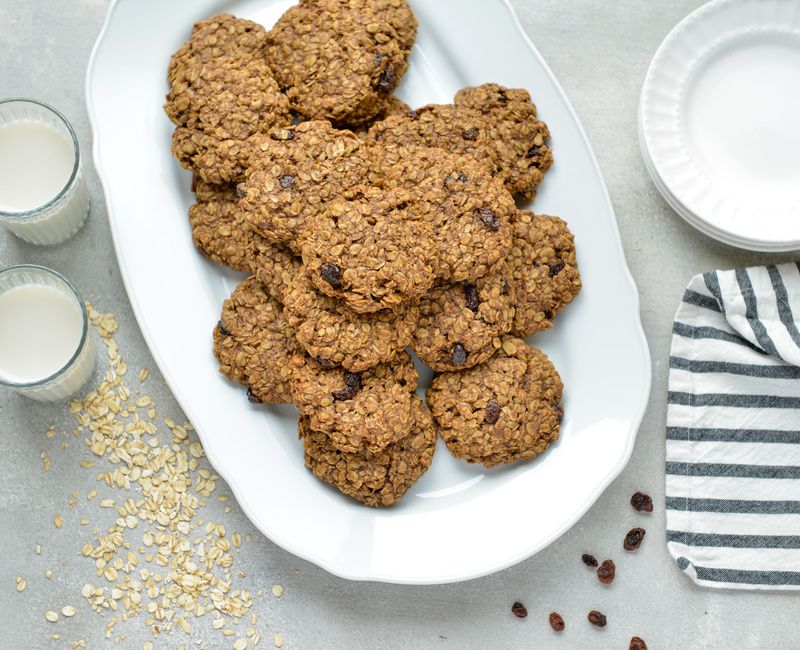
(719, 122)
(459, 521)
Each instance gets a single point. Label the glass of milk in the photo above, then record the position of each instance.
(43, 195)
(46, 351)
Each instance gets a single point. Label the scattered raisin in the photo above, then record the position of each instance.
(282, 135)
(556, 622)
(459, 355)
(533, 151)
(555, 269)
(223, 331)
(488, 218)
(606, 572)
(596, 618)
(286, 181)
(589, 560)
(252, 398)
(472, 297)
(642, 502)
(492, 412)
(519, 610)
(633, 539)
(352, 381)
(332, 274)
(388, 80)
(637, 643)
(470, 134)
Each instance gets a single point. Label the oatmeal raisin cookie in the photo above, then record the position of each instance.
(501, 411)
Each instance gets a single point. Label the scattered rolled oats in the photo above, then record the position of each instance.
(21, 583)
(159, 561)
(277, 591)
(278, 640)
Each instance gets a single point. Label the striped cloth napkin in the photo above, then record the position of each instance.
(733, 430)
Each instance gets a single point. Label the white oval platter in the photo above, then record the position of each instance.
(459, 521)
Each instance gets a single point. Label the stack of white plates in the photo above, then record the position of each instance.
(719, 122)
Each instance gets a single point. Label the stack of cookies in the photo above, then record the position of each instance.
(367, 230)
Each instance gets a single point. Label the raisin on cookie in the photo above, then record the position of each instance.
(471, 212)
(461, 325)
(501, 411)
(367, 410)
(375, 479)
(254, 344)
(334, 62)
(294, 172)
(544, 271)
(221, 94)
(375, 249)
(338, 336)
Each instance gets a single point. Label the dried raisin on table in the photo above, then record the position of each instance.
(519, 610)
(556, 622)
(642, 502)
(589, 560)
(634, 539)
(637, 643)
(606, 572)
(597, 618)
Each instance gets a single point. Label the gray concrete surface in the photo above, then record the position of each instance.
(599, 51)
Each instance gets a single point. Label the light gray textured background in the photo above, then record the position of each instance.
(599, 51)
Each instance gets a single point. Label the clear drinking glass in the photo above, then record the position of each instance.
(60, 217)
(76, 371)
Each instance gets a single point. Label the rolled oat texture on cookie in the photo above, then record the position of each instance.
(496, 126)
(461, 325)
(544, 269)
(220, 229)
(338, 336)
(340, 60)
(294, 172)
(255, 344)
(471, 212)
(221, 94)
(501, 411)
(375, 479)
(375, 249)
(367, 410)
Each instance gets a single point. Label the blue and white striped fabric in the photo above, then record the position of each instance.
(733, 430)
